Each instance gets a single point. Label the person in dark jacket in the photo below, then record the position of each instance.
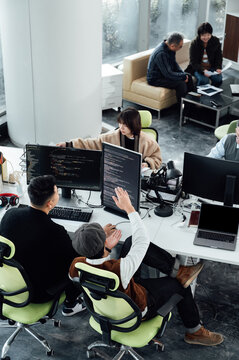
(163, 69)
(206, 57)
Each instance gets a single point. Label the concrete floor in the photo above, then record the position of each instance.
(217, 293)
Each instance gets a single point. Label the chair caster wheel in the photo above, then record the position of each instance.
(50, 353)
(57, 323)
(90, 354)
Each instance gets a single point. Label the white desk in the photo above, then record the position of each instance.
(163, 232)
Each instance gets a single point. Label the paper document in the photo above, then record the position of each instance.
(210, 73)
(208, 90)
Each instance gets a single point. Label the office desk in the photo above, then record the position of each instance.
(163, 232)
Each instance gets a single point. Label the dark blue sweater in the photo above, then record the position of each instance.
(162, 65)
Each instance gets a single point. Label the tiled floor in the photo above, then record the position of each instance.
(217, 293)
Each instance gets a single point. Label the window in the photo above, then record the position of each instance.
(2, 90)
(120, 29)
(217, 16)
(172, 15)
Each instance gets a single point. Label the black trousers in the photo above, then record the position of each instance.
(160, 290)
(181, 87)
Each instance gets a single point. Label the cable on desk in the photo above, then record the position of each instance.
(85, 202)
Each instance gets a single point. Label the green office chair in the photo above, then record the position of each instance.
(116, 317)
(146, 121)
(225, 129)
(15, 299)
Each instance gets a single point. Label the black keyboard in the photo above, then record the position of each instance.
(66, 213)
(215, 236)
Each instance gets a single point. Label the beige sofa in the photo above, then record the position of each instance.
(135, 86)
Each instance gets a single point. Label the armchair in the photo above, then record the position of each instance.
(15, 299)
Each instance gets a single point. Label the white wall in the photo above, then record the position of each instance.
(52, 68)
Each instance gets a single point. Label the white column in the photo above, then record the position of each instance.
(52, 68)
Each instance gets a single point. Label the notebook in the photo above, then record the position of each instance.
(217, 227)
(234, 89)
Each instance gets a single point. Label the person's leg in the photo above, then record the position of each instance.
(201, 79)
(161, 260)
(216, 80)
(73, 303)
(180, 86)
(161, 290)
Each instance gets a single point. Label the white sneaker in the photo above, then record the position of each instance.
(69, 311)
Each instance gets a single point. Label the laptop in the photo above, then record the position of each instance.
(234, 89)
(217, 227)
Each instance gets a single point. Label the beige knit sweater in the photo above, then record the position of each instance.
(148, 147)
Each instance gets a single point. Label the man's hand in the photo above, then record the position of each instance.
(186, 79)
(109, 229)
(122, 200)
(61, 144)
(219, 71)
(112, 240)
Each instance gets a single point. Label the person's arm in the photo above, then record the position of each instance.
(140, 240)
(165, 68)
(218, 151)
(151, 153)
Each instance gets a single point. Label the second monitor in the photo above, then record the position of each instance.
(121, 168)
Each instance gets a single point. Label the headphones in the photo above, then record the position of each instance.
(8, 198)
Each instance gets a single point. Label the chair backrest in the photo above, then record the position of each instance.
(232, 126)
(15, 286)
(146, 121)
(111, 308)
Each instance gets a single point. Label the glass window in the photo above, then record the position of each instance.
(217, 16)
(2, 90)
(120, 29)
(172, 15)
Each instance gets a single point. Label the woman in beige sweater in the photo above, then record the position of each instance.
(129, 136)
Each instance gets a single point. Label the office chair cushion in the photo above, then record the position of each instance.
(151, 132)
(140, 337)
(30, 313)
(145, 117)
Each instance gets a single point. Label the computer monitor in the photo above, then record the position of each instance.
(72, 168)
(121, 168)
(214, 179)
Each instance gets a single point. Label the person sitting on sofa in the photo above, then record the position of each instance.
(227, 147)
(149, 294)
(206, 55)
(129, 136)
(163, 70)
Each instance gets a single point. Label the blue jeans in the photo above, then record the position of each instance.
(203, 80)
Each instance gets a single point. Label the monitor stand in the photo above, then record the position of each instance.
(66, 193)
(229, 190)
(116, 212)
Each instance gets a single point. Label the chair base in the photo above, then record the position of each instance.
(92, 351)
(38, 337)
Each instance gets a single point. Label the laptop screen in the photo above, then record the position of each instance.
(219, 218)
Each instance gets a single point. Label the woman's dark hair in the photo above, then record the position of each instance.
(40, 189)
(205, 28)
(131, 118)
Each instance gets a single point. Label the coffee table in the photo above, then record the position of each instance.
(204, 101)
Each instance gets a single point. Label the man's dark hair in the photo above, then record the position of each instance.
(40, 189)
(174, 38)
(131, 118)
(205, 28)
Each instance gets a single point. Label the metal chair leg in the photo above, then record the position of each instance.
(134, 354)
(38, 337)
(10, 340)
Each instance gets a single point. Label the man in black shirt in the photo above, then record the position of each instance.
(43, 247)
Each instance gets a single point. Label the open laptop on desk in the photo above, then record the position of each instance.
(217, 227)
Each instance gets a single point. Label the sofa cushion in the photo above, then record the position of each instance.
(141, 87)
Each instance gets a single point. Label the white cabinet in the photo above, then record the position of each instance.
(111, 87)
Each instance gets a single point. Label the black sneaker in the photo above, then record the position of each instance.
(69, 310)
